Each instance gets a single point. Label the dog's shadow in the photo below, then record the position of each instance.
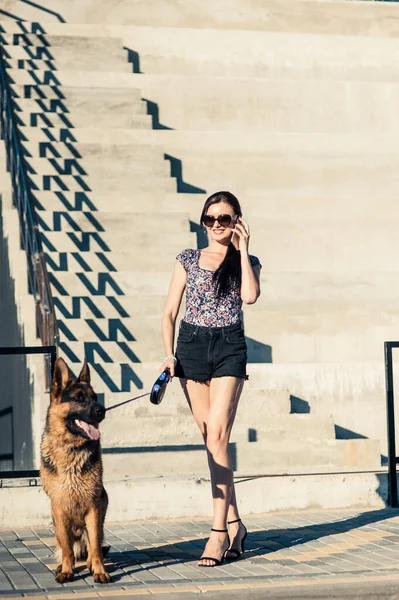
(260, 542)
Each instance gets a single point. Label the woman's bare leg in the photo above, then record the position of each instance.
(214, 408)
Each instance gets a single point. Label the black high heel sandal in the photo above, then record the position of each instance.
(216, 561)
(234, 551)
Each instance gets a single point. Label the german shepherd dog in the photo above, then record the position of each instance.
(71, 472)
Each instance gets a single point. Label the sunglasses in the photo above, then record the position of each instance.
(223, 220)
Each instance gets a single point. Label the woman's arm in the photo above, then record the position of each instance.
(250, 275)
(250, 285)
(170, 312)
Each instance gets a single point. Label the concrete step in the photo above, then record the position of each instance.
(73, 77)
(255, 403)
(371, 310)
(282, 55)
(329, 321)
(148, 426)
(75, 106)
(136, 119)
(93, 152)
(121, 329)
(81, 47)
(153, 427)
(137, 183)
(312, 206)
(207, 144)
(271, 105)
(93, 18)
(325, 339)
(345, 245)
(60, 241)
(111, 284)
(353, 393)
(346, 384)
(321, 341)
(363, 287)
(287, 173)
(75, 262)
(299, 153)
(69, 42)
(109, 221)
(310, 286)
(98, 169)
(152, 306)
(271, 457)
(117, 367)
(123, 202)
(61, 46)
(23, 58)
(210, 142)
(119, 376)
(156, 498)
(103, 307)
(254, 400)
(73, 95)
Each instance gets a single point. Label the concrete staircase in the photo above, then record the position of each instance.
(296, 113)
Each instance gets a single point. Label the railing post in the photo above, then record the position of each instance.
(53, 358)
(392, 481)
(38, 279)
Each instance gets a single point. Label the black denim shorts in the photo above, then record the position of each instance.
(203, 353)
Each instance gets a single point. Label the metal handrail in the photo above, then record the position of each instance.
(38, 279)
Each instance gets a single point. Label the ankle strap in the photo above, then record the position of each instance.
(219, 530)
(230, 522)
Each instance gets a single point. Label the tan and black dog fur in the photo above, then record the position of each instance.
(71, 472)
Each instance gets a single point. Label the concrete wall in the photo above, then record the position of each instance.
(16, 394)
(148, 498)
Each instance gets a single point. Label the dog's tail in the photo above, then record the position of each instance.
(80, 546)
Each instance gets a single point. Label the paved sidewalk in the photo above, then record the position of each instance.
(285, 551)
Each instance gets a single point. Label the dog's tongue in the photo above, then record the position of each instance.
(92, 431)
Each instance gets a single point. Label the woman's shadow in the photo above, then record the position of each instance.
(259, 543)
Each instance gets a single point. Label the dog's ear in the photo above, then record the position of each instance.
(61, 378)
(84, 375)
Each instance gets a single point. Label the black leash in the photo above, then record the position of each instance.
(157, 392)
(126, 401)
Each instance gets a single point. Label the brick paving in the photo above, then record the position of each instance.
(160, 557)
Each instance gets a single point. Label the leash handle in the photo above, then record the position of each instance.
(126, 401)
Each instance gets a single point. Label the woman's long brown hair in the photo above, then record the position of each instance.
(229, 272)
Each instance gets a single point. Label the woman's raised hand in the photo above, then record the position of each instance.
(242, 235)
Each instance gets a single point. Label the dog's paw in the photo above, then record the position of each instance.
(63, 576)
(103, 577)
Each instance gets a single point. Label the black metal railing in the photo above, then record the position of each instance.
(38, 279)
(9, 430)
(390, 398)
(7, 438)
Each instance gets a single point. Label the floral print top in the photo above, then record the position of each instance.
(203, 307)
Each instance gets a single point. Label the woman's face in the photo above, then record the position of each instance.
(216, 230)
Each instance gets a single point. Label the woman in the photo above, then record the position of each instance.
(211, 352)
